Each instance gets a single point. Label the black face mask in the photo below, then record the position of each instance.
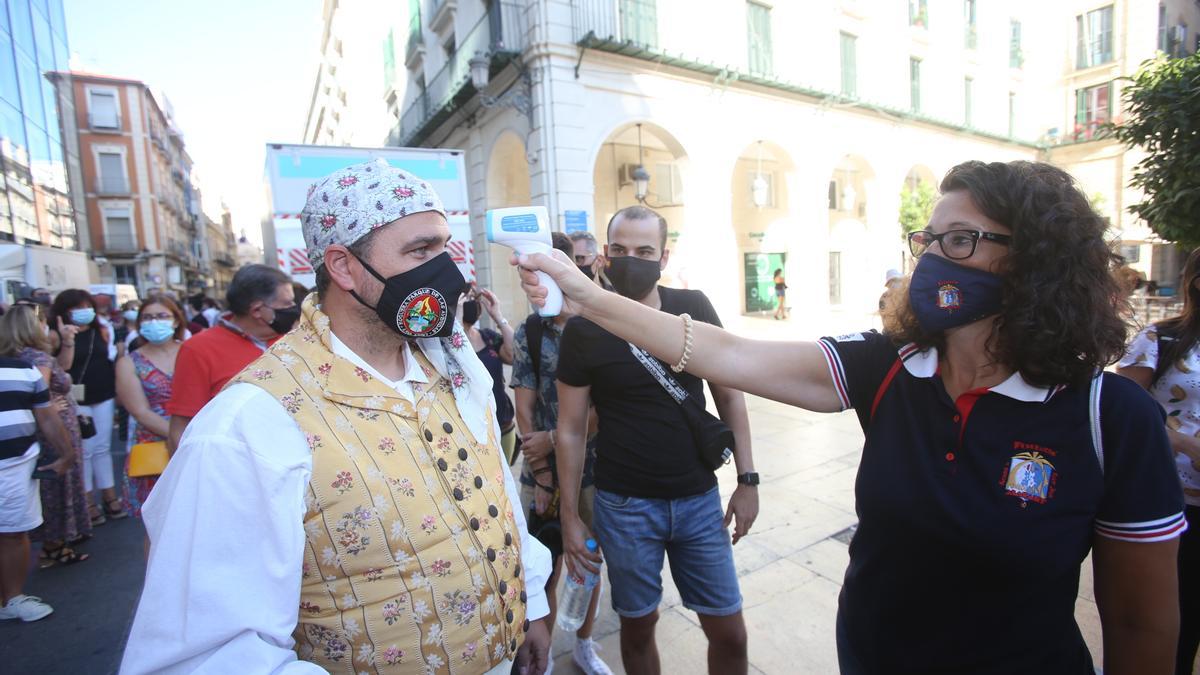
(587, 271)
(633, 277)
(470, 312)
(285, 319)
(419, 303)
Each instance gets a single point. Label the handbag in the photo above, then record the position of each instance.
(87, 426)
(148, 459)
(713, 437)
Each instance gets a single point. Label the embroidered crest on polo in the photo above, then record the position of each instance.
(1030, 477)
(423, 313)
(949, 297)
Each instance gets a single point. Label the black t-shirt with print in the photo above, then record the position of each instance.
(644, 447)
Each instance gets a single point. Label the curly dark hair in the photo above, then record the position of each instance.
(1061, 315)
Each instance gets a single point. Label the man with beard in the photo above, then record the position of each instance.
(344, 505)
(654, 496)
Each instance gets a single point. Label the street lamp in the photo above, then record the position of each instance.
(759, 190)
(519, 97)
(480, 76)
(641, 177)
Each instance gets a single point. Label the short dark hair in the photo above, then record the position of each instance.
(68, 299)
(251, 284)
(563, 243)
(360, 249)
(639, 212)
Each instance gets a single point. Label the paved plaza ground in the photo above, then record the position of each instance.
(791, 566)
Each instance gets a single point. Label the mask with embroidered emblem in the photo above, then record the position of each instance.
(946, 295)
(419, 303)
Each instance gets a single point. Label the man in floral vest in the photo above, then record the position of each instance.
(344, 505)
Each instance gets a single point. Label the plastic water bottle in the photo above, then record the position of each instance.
(577, 595)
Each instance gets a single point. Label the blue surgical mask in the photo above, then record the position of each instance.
(157, 331)
(130, 314)
(946, 295)
(83, 317)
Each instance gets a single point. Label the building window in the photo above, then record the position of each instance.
(1012, 114)
(758, 28)
(849, 65)
(1093, 109)
(914, 84)
(1094, 37)
(833, 195)
(918, 13)
(668, 184)
(103, 112)
(1016, 55)
(111, 170)
(968, 99)
(125, 274)
(118, 231)
(971, 34)
(639, 22)
(1164, 39)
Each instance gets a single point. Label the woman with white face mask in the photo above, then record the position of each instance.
(144, 385)
(80, 343)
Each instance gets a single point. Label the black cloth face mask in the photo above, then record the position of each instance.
(633, 277)
(285, 319)
(419, 303)
(587, 271)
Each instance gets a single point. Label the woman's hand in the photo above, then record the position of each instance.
(68, 332)
(578, 291)
(491, 304)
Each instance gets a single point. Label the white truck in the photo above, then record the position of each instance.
(291, 169)
(24, 267)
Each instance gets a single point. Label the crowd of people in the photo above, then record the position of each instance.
(340, 496)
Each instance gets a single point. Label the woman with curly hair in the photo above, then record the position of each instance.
(1164, 358)
(997, 453)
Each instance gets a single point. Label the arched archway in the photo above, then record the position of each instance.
(664, 160)
(852, 280)
(762, 220)
(508, 184)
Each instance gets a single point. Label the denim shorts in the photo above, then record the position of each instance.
(635, 532)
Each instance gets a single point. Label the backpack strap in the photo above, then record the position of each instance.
(1094, 418)
(533, 339)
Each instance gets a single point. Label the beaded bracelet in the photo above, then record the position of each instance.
(687, 344)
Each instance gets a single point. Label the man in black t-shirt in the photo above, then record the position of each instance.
(654, 496)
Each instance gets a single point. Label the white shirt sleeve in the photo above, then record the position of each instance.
(226, 522)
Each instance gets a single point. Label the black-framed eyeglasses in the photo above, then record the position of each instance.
(956, 244)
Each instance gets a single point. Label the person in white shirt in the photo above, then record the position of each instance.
(343, 504)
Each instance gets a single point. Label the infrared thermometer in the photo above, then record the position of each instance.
(526, 229)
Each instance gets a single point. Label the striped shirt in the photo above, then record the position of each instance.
(22, 388)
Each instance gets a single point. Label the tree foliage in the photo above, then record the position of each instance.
(1162, 117)
(916, 206)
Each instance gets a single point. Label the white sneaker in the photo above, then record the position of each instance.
(26, 608)
(588, 660)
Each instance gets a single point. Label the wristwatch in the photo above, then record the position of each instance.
(748, 478)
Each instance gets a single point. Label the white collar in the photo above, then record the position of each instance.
(412, 369)
(924, 364)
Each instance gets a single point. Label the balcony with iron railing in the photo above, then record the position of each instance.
(499, 35)
(112, 186)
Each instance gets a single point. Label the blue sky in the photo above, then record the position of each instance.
(238, 73)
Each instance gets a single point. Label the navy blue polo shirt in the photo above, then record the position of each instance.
(975, 514)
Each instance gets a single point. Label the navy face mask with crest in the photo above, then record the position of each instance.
(946, 295)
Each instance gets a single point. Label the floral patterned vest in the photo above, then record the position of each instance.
(412, 559)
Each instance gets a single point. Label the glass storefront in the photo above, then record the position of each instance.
(34, 203)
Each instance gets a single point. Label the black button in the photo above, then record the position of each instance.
(513, 645)
(524, 598)
(503, 588)
(429, 435)
(491, 554)
(462, 454)
(458, 494)
(525, 626)
(508, 616)
(442, 464)
(507, 539)
(493, 511)
(517, 570)
(447, 428)
(474, 523)
(478, 482)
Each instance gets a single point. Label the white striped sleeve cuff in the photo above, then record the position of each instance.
(1145, 531)
(836, 371)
